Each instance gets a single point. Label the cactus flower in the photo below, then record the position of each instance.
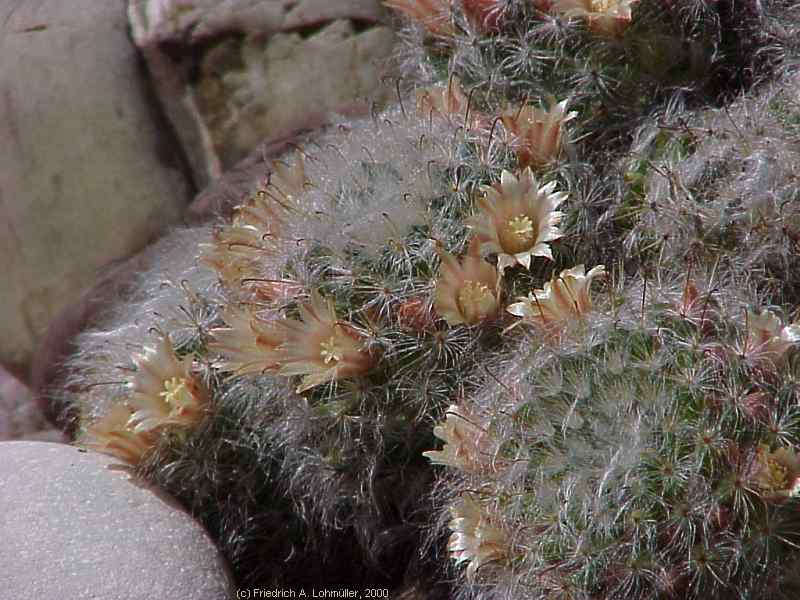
(517, 219)
(564, 298)
(320, 347)
(113, 435)
(466, 292)
(465, 445)
(608, 18)
(248, 345)
(777, 474)
(536, 135)
(768, 337)
(242, 250)
(451, 103)
(475, 539)
(164, 390)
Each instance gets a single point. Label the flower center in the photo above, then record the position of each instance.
(776, 476)
(519, 234)
(176, 392)
(602, 6)
(475, 301)
(329, 352)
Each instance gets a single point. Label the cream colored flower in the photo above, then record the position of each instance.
(240, 252)
(604, 17)
(536, 135)
(517, 219)
(466, 292)
(164, 390)
(112, 435)
(695, 307)
(248, 345)
(475, 539)
(287, 181)
(564, 298)
(777, 474)
(320, 347)
(451, 103)
(767, 337)
(466, 444)
(243, 251)
(433, 15)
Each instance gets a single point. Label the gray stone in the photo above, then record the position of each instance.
(234, 74)
(75, 526)
(87, 175)
(20, 416)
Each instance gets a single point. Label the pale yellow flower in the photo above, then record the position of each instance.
(517, 219)
(239, 253)
(320, 347)
(475, 539)
(695, 307)
(249, 344)
(564, 298)
(451, 103)
(466, 292)
(287, 181)
(604, 17)
(164, 390)
(112, 435)
(433, 15)
(777, 474)
(243, 251)
(466, 444)
(767, 337)
(536, 135)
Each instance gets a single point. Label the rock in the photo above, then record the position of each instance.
(234, 74)
(87, 174)
(96, 533)
(20, 417)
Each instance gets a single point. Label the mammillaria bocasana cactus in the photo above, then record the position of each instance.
(523, 338)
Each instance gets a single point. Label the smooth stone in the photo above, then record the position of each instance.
(20, 417)
(88, 172)
(75, 525)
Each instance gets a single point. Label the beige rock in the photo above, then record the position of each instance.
(75, 525)
(234, 74)
(20, 417)
(164, 20)
(83, 179)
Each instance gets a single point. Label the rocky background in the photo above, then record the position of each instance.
(181, 103)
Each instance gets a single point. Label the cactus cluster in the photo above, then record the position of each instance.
(528, 333)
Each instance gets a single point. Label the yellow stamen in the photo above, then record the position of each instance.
(521, 227)
(601, 6)
(776, 478)
(475, 301)
(176, 392)
(329, 352)
(518, 235)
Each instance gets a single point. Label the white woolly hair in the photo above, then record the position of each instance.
(371, 180)
(739, 187)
